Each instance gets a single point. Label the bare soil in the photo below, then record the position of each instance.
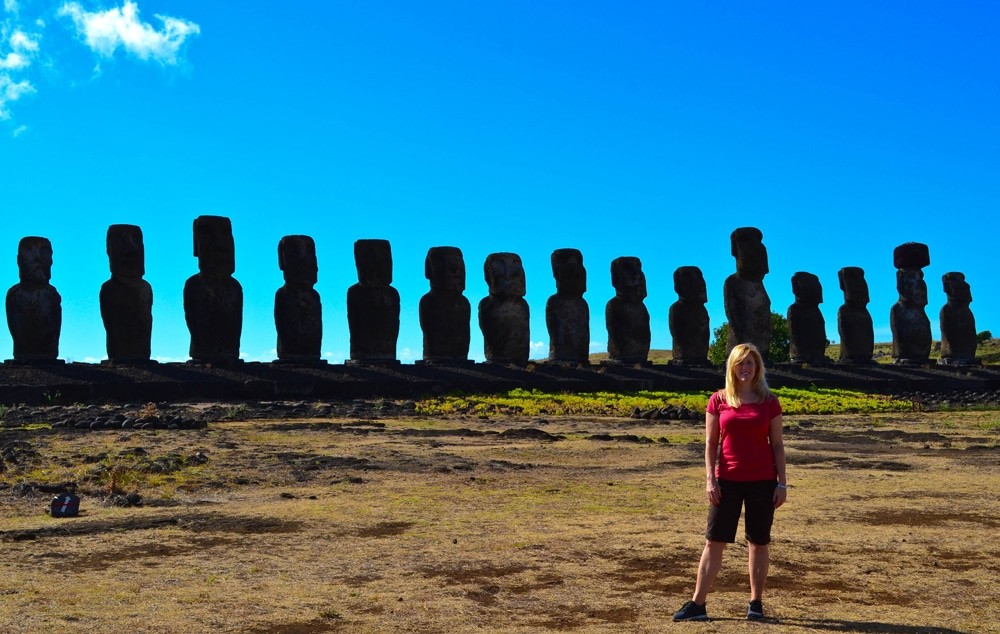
(375, 520)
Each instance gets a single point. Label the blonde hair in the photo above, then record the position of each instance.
(758, 383)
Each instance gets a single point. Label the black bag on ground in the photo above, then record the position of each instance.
(65, 505)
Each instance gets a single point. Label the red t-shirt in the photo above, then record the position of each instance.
(745, 453)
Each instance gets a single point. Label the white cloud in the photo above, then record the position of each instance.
(105, 32)
(11, 91)
(18, 131)
(20, 49)
(10, 6)
(537, 346)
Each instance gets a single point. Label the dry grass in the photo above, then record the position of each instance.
(434, 526)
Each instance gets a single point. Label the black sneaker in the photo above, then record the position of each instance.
(755, 611)
(691, 611)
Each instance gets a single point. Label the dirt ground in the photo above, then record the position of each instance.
(378, 522)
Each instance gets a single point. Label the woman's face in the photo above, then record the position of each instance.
(745, 369)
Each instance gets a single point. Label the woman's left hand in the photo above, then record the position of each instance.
(780, 495)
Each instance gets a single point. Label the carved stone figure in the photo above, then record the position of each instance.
(213, 299)
(373, 305)
(567, 314)
(625, 315)
(503, 314)
(854, 322)
(34, 307)
(445, 313)
(958, 324)
(747, 304)
(127, 299)
(688, 318)
(911, 329)
(298, 312)
(806, 326)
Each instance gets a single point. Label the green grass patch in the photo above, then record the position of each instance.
(520, 402)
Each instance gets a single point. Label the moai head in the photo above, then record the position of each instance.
(627, 278)
(214, 246)
(445, 268)
(297, 260)
(567, 268)
(373, 259)
(912, 288)
(956, 288)
(34, 260)
(689, 284)
(750, 253)
(126, 252)
(806, 288)
(852, 282)
(505, 274)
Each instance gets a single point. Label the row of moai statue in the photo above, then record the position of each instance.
(213, 306)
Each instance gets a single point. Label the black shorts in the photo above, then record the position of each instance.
(758, 497)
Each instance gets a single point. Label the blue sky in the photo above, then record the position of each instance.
(649, 129)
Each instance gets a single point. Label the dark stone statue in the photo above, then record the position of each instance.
(806, 326)
(911, 329)
(854, 322)
(213, 299)
(503, 314)
(445, 313)
(567, 314)
(625, 315)
(747, 304)
(127, 299)
(34, 308)
(688, 318)
(958, 325)
(298, 312)
(373, 305)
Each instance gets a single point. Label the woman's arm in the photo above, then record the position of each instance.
(778, 451)
(711, 457)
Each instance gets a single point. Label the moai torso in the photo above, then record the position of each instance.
(854, 322)
(806, 326)
(34, 307)
(298, 312)
(567, 315)
(373, 305)
(688, 318)
(625, 315)
(503, 314)
(958, 325)
(126, 298)
(911, 329)
(445, 313)
(213, 299)
(747, 304)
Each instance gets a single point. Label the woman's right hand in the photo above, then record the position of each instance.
(713, 492)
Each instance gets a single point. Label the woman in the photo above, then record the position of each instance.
(745, 465)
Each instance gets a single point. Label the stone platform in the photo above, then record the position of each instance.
(84, 382)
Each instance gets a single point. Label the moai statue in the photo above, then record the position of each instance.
(213, 299)
(688, 318)
(503, 314)
(958, 325)
(911, 329)
(748, 307)
(445, 313)
(34, 308)
(806, 326)
(298, 312)
(373, 305)
(567, 315)
(854, 322)
(127, 299)
(625, 315)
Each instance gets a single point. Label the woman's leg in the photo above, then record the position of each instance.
(708, 570)
(759, 562)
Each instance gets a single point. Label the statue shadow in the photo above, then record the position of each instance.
(838, 625)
